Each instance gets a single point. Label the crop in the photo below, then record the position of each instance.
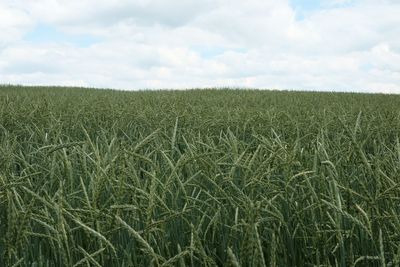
(198, 178)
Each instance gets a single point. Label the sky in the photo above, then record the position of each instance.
(325, 45)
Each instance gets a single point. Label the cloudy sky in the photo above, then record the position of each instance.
(343, 45)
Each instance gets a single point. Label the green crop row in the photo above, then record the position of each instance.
(198, 178)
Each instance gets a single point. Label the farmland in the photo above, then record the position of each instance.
(198, 178)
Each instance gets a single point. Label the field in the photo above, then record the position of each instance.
(198, 178)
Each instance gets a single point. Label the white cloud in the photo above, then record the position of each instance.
(13, 24)
(187, 43)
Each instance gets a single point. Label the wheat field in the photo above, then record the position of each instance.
(212, 177)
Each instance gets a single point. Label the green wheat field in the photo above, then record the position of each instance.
(214, 177)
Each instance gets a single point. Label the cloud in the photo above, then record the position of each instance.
(102, 12)
(348, 45)
(13, 24)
